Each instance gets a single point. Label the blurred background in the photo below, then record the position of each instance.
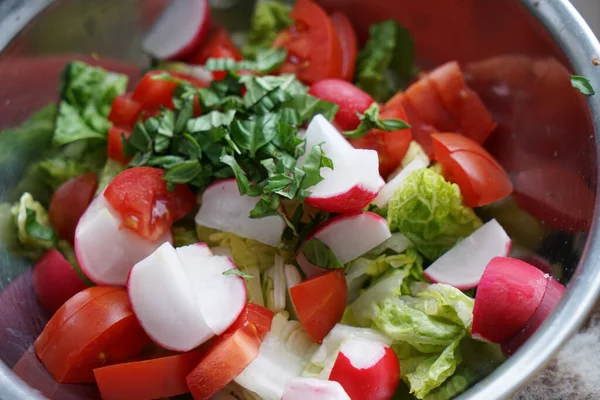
(590, 9)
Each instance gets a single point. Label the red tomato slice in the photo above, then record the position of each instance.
(153, 93)
(395, 100)
(94, 328)
(259, 316)
(115, 144)
(348, 97)
(149, 379)
(191, 79)
(225, 359)
(69, 202)
(480, 178)
(390, 146)
(221, 51)
(125, 111)
(463, 103)
(314, 49)
(218, 38)
(141, 197)
(55, 281)
(347, 35)
(320, 302)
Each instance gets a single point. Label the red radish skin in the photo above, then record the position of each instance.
(508, 294)
(367, 370)
(55, 281)
(462, 266)
(314, 389)
(179, 31)
(551, 298)
(348, 97)
(358, 197)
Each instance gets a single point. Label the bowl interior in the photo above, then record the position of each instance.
(545, 138)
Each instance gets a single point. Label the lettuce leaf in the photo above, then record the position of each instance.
(270, 17)
(429, 212)
(87, 94)
(34, 233)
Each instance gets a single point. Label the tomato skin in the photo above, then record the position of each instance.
(221, 51)
(390, 146)
(217, 43)
(259, 316)
(348, 97)
(55, 281)
(348, 41)
(69, 202)
(320, 302)
(480, 178)
(94, 328)
(125, 111)
(225, 359)
(147, 379)
(153, 93)
(141, 197)
(314, 49)
(115, 144)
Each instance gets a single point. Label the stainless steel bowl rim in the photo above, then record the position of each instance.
(579, 46)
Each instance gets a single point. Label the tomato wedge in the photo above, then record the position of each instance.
(125, 111)
(141, 197)
(69, 202)
(390, 146)
(94, 328)
(149, 379)
(225, 359)
(218, 45)
(314, 49)
(480, 178)
(55, 281)
(115, 144)
(347, 35)
(153, 93)
(320, 302)
(261, 317)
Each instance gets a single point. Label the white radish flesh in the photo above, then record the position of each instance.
(313, 389)
(223, 208)
(388, 190)
(463, 265)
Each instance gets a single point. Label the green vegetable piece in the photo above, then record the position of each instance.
(235, 271)
(429, 212)
(60, 169)
(34, 232)
(111, 169)
(370, 120)
(270, 18)
(319, 254)
(582, 84)
(267, 60)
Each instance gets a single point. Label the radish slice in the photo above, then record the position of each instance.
(354, 180)
(223, 208)
(366, 369)
(182, 298)
(313, 389)
(348, 236)
(463, 265)
(105, 250)
(388, 190)
(508, 294)
(179, 30)
(551, 298)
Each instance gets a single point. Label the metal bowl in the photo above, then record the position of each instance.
(517, 54)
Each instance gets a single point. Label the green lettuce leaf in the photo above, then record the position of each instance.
(58, 170)
(270, 17)
(34, 232)
(87, 94)
(429, 212)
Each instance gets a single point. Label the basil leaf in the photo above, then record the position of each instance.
(582, 84)
(35, 229)
(308, 106)
(371, 120)
(209, 121)
(253, 134)
(235, 271)
(319, 254)
(312, 167)
(183, 172)
(267, 60)
(240, 175)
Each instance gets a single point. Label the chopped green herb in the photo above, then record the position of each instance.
(582, 84)
(37, 230)
(267, 60)
(319, 254)
(270, 17)
(371, 120)
(235, 271)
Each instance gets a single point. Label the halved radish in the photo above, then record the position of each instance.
(388, 190)
(223, 208)
(366, 369)
(179, 30)
(182, 298)
(314, 389)
(507, 296)
(463, 265)
(105, 250)
(551, 298)
(348, 236)
(354, 180)
(55, 281)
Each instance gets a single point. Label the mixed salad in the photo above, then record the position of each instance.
(303, 217)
